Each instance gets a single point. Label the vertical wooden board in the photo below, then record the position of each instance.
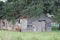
(43, 26)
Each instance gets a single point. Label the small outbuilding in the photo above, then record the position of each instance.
(36, 24)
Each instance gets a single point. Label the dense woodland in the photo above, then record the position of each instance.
(12, 9)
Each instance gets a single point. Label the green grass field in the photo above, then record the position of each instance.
(9, 35)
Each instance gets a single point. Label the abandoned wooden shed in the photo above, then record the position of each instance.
(36, 24)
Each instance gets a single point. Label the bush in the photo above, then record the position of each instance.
(54, 28)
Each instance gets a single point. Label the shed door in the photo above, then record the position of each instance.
(39, 26)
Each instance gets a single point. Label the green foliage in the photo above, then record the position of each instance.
(12, 9)
(56, 11)
(1, 9)
(55, 28)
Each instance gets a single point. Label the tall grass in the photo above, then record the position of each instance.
(9, 35)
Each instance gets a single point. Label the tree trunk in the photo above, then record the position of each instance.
(0, 23)
(59, 26)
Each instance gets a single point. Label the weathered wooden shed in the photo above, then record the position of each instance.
(36, 24)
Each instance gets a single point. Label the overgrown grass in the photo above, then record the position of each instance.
(9, 35)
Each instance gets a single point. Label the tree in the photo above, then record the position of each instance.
(13, 9)
(1, 9)
(56, 11)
